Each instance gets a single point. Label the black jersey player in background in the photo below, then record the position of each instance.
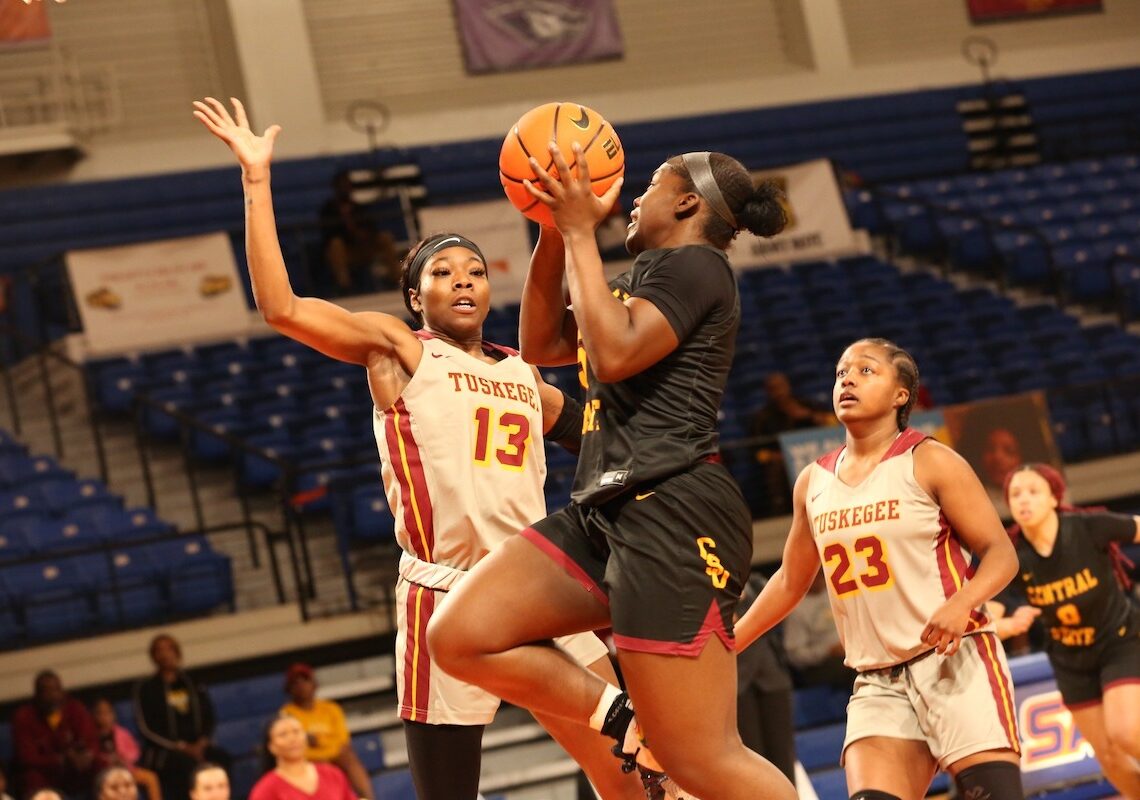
(1070, 572)
(657, 540)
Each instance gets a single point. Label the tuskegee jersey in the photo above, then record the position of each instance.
(889, 555)
(461, 454)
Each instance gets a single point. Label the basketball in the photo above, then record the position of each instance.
(564, 123)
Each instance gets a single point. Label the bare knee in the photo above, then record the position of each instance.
(445, 642)
(1124, 738)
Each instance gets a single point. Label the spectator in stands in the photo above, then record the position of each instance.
(176, 719)
(764, 694)
(46, 794)
(115, 783)
(328, 738)
(209, 782)
(351, 244)
(812, 641)
(56, 744)
(1071, 571)
(784, 411)
(295, 777)
(120, 749)
(996, 438)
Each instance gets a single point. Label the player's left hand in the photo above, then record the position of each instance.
(946, 626)
(570, 197)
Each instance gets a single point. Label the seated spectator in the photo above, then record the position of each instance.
(176, 719)
(56, 745)
(784, 411)
(120, 749)
(325, 728)
(209, 782)
(46, 794)
(116, 783)
(351, 245)
(812, 641)
(295, 777)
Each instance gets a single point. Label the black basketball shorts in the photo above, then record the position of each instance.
(669, 557)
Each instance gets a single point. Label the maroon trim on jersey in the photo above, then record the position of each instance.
(713, 624)
(1083, 704)
(404, 454)
(1000, 686)
(828, 461)
(563, 559)
(417, 665)
(903, 442)
(952, 568)
(488, 347)
(1119, 682)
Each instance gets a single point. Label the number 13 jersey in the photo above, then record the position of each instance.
(888, 553)
(461, 454)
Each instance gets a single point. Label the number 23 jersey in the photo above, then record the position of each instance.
(461, 454)
(889, 556)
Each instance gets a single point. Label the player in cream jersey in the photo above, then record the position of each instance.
(889, 553)
(459, 425)
(890, 517)
(459, 410)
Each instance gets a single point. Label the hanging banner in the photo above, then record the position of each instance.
(501, 233)
(1007, 10)
(500, 35)
(817, 220)
(21, 22)
(157, 294)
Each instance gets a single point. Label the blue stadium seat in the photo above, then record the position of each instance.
(17, 503)
(396, 785)
(18, 470)
(830, 784)
(122, 526)
(198, 579)
(56, 535)
(63, 496)
(53, 598)
(369, 748)
(819, 705)
(130, 591)
(820, 748)
(239, 737)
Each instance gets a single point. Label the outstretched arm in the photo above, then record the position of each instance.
(621, 338)
(792, 580)
(324, 326)
(947, 477)
(548, 335)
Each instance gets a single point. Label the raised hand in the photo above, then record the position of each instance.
(253, 152)
(571, 199)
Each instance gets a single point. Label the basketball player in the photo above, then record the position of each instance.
(889, 515)
(1069, 572)
(459, 425)
(657, 540)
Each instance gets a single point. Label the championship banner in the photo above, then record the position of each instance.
(801, 447)
(817, 228)
(21, 23)
(500, 35)
(501, 233)
(158, 293)
(1009, 10)
(1053, 752)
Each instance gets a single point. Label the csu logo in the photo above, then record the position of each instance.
(1049, 736)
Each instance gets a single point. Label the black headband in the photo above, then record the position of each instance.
(434, 245)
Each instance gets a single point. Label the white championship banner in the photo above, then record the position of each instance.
(818, 227)
(160, 293)
(501, 233)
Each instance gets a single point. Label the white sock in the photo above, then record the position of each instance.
(609, 694)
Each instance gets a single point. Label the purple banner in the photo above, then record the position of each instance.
(500, 35)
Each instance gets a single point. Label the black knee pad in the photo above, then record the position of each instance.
(991, 780)
(873, 794)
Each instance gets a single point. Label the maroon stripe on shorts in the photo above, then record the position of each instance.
(712, 624)
(562, 559)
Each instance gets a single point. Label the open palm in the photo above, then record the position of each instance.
(251, 150)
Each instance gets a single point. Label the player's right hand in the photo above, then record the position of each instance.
(253, 152)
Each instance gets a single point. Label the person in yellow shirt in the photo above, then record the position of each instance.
(325, 727)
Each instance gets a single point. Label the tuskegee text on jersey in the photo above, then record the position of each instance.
(466, 382)
(840, 518)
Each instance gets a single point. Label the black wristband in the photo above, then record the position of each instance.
(567, 429)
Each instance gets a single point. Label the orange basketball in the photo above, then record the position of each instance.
(564, 123)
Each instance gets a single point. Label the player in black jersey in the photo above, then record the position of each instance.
(1069, 570)
(657, 540)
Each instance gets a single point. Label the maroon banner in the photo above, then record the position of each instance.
(1005, 10)
(500, 35)
(21, 22)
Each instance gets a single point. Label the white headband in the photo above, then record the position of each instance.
(700, 172)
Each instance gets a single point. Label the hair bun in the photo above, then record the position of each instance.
(764, 213)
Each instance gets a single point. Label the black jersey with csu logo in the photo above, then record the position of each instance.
(664, 419)
(1075, 586)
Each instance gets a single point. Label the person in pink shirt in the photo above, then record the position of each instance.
(120, 749)
(295, 777)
